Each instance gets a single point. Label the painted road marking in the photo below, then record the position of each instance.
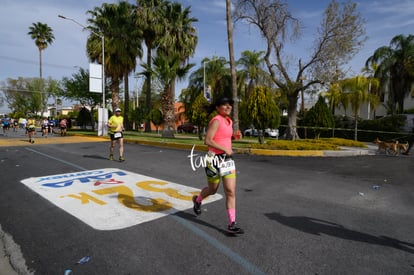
(111, 198)
(213, 241)
(22, 140)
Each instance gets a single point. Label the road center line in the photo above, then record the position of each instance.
(61, 160)
(221, 247)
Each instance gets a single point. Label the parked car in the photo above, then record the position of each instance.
(187, 128)
(273, 133)
(249, 132)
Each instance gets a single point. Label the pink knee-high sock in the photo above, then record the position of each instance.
(199, 199)
(232, 215)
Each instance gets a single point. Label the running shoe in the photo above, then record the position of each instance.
(197, 206)
(111, 157)
(121, 159)
(234, 229)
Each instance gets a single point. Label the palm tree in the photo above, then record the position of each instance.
(43, 36)
(217, 76)
(395, 65)
(166, 69)
(131, 36)
(232, 67)
(357, 92)
(122, 43)
(251, 63)
(177, 43)
(178, 33)
(333, 94)
(149, 21)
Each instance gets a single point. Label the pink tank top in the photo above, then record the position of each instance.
(223, 134)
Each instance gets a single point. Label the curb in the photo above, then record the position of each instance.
(344, 152)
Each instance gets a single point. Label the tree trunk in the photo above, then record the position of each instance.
(391, 98)
(356, 127)
(115, 93)
(148, 90)
(291, 132)
(42, 108)
(92, 119)
(167, 103)
(260, 135)
(232, 68)
(126, 103)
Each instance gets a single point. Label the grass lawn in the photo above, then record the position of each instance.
(246, 142)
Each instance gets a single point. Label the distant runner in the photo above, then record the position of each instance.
(116, 127)
(31, 128)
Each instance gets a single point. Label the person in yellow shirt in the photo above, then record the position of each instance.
(116, 127)
(31, 128)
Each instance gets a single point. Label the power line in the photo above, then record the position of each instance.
(14, 59)
(9, 89)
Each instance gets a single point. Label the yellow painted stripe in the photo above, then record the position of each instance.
(24, 141)
(293, 153)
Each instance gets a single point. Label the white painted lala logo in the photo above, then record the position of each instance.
(109, 199)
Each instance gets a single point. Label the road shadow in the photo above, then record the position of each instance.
(194, 219)
(318, 227)
(94, 157)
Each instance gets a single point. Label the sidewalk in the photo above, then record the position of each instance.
(19, 138)
(11, 258)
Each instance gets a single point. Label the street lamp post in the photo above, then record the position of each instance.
(103, 65)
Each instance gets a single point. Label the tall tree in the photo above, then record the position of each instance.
(232, 67)
(340, 35)
(357, 91)
(43, 36)
(395, 67)
(122, 45)
(217, 76)
(131, 35)
(251, 65)
(333, 94)
(165, 68)
(149, 15)
(178, 40)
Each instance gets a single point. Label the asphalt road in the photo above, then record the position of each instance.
(319, 215)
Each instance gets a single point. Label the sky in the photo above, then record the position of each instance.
(19, 57)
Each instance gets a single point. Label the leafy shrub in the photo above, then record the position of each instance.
(308, 144)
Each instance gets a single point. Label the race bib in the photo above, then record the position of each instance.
(227, 167)
(118, 135)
